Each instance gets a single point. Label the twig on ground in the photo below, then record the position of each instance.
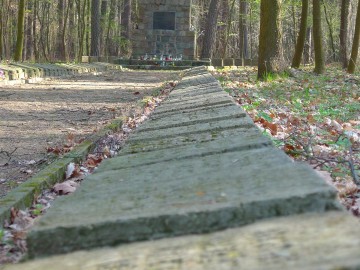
(8, 154)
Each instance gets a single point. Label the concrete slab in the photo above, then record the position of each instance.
(308, 241)
(173, 100)
(184, 119)
(181, 140)
(194, 195)
(215, 147)
(194, 109)
(187, 88)
(203, 127)
(204, 102)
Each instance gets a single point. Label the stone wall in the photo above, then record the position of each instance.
(147, 40)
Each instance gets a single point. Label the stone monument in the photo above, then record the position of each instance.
(163, 28)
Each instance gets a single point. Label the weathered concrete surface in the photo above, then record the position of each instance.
(308, 241)
(202, 127)
(233, 134)
(222, 173)
(184, 119)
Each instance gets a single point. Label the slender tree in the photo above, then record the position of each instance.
(356, 43)
(61, 53)
(270, 44)
(344, 24)
(210, 30)
(317, 33)
(34, 32)
(1, 31)
(20, 31)
(243, 44)
(126, 25)
(95, 28)
(331, 32)
(300, 43)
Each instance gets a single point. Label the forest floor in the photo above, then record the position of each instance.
(43, 119)
(313, 118)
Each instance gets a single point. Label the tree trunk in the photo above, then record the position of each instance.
(308, 46)
(300, 43)
(35, 45)
(331, 35)
(87, 31)
(317, 33)
(356, 43)
(126, 18)
(61, 53)
(109, 49)
(95, 28)
(103, 9)
(1, 32)
(29, 49)
(344, 24)
(126, 25)
(20, 31)
(210, 30)
(270, 45)
(243, 35)
(222, 29)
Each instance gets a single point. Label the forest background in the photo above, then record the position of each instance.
(65, 30)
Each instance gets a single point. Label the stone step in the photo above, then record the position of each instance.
(309, 241)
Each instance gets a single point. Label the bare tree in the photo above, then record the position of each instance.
(270, 45)
(20, 31)
(243, 35)
(317, 33)
(95, 28)
(300, 42)
(210, 30)
(356, 43)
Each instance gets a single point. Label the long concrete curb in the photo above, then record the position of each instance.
(208, 182)
(22, 196)
(204, 169)
(317, 241)
(19, 72)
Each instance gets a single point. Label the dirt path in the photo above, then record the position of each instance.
(38, 116)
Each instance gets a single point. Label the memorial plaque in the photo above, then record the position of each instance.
(164, 20)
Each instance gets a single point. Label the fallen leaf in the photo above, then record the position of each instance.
(71, 137)
(272, 127)
(310, 118)
(336, 125)
(22, 221)
(69, 170)
(288, 148)
(65, 188)
(352, 136)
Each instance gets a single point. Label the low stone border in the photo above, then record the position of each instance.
(22, 196)
(25, 71)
